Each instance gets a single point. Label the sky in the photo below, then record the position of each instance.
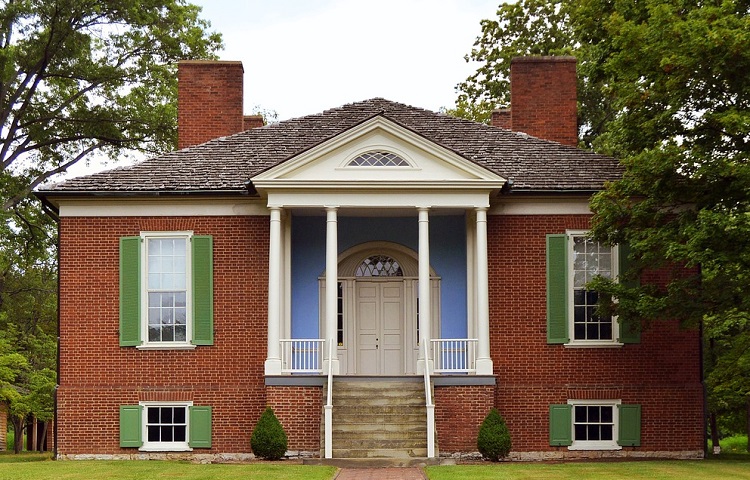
(304, 56)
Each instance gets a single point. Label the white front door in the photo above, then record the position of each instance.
(380, 328)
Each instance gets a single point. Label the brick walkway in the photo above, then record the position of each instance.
(380, 474)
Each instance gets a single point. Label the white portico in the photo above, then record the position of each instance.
(376, 169)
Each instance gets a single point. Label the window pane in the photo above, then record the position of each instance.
(153, 433)
(154, 334)
(179, 415)
(167, 334)
(580, 331)
(180, 333)
(606, 432)
(179, 434)
(152, 415)
(605, 331)
(594, 414)
(607, 414)
(166, 415)
(580, 432)
(593, 432)
(592, 331)
(166, 434)
(580, 414)
(579, 314)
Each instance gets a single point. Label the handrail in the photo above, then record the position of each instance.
(428, 404)
(329, 405)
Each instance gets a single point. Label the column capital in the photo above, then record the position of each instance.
(424, 208)
(331, 208)
(483, 208)
(275, 207)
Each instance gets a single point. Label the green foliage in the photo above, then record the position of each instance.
(269, 439)
(493, 440)
(81, 78)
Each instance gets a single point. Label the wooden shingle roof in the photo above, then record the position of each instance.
(225, 165)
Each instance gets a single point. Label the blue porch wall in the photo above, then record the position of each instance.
(447, 257)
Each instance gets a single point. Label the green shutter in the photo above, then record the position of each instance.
(203, 290)
(557, 289)
(630, 426)
(200, 427)
(630, 331)
(130, 291)
(561, 425)
(130, 426)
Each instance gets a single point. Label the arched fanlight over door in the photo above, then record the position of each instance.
(379, 266)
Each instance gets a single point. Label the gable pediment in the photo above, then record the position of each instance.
(338, 162)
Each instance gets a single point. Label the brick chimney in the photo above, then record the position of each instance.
(253, 121)
(209, 100)
(543, 99)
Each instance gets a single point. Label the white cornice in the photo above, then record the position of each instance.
(540, 206)
(161, 207)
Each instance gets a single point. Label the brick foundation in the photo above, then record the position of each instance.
(459, 411)
(299, 409)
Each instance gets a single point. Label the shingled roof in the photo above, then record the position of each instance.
(226, 164)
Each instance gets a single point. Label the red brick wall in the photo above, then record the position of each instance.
(662, 373)
(543, 98)
(459, 411)
(209, 101)
(299, 409)
(97, 375)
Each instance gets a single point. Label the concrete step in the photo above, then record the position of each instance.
(339, 436)
(378, 410)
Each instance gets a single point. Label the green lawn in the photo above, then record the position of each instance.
(25, 469)
(631, 470)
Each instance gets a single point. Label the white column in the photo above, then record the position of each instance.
(424, 289)
(273, 360)
(484, 362)
(332, 278)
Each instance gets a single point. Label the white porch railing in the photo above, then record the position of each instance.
(454, 355)
(302, 355)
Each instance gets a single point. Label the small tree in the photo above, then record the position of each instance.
(493, 440)
(269, 439)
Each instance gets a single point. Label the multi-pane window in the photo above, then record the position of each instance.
(593, 423)
(166, 425)
(379, 266)
(589, 259)
(340, 315)
(167, 288)
(378, 159)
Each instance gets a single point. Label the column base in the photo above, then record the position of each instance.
(484, 366)
(335, 367)
(420, 366)
(273, 366)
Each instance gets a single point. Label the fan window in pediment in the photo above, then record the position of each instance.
(378, 159)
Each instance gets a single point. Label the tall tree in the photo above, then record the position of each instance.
(665, 86)
(80, 78)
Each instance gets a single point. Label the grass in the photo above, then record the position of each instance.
(23, 467)
(630, 470)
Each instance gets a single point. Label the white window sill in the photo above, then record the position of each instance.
(166, 346)
(593, 344)
(166, 448)
(595, 446)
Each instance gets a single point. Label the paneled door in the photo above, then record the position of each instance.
(380, 325)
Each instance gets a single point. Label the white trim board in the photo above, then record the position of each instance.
(161, 207)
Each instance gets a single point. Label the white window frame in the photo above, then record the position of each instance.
(595, 444)
(164, 446)
(573, 342)
(174, 345)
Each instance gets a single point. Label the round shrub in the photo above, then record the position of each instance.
(269, 439)
(493, 440)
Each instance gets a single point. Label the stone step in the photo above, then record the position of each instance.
(382, 410)
(378, 401)
(345, 435)
(379, 453)
(395, 419)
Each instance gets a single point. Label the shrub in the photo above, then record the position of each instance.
(493, 440)
(269, 439)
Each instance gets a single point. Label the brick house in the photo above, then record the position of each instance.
(431, 267)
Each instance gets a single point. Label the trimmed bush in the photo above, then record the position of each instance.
(269, 439)
(493, 440)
